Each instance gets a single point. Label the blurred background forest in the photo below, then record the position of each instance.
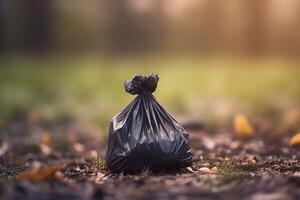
(69, 58)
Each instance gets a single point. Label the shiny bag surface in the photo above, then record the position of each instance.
(144, 135)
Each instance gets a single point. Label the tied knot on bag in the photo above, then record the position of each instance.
(140, 84)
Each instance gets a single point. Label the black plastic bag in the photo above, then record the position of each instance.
(144, 135)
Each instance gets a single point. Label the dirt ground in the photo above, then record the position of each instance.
(50, 160)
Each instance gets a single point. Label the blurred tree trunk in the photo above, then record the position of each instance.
(255, 26)
(213, 26)
(2, 21)
(131, 31)
(37, 24)
(297, 34)
(292, 31)
(123, 30)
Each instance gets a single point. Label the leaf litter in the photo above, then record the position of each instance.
(264, 165)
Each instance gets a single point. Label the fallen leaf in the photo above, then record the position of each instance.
(40, 173)
(295, 140)
(242, 126)
(205, 170)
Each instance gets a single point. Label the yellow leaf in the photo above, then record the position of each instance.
(205, 170)
(295, 140)
(242, 126)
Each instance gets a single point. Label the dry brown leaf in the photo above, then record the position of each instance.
(295, 140)
(242, 126)
(41, 173)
